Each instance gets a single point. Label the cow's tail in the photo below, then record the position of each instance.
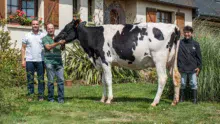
(174, 71)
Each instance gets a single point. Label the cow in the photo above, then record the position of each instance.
(133, 46)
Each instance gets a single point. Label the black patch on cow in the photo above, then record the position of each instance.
(175, 36)
(108, 44)
(145, 54)
(130, 63)
(93, 46)
(149, 39)
(127, 40)
(167, 46)
(109, 54)
(143, 33)
(158, 34)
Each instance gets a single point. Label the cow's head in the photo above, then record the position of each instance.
(69, 33)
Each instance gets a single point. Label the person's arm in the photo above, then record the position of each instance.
(23, 50)
(51, 46)
(199, 59)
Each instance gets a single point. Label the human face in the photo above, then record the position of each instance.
(50, 29)
(35, 26)
(187, 34)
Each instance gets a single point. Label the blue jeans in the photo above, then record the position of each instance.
(192, 80)
(52, 71)
(31, 67)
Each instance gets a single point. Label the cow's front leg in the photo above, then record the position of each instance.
(104, 92)
(162, 78)
(108, 80)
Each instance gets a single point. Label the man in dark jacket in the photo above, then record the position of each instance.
(189, 62)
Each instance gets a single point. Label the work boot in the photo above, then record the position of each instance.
(194, 95)
(182, 95)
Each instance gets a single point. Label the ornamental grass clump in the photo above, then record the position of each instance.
(208, 37)
(209, 78)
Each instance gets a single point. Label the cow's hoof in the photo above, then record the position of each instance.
(174, 103)
(109, 100)
(103, 100)
(153, 104)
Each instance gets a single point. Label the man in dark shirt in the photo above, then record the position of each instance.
(189, 62)
(54, 65)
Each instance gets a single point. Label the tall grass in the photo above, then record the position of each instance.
(209, 78)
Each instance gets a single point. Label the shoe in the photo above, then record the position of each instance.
(194, 95)
(182, 95)
(61, 101)
(41, 99)
(51, 100)
(29, 99)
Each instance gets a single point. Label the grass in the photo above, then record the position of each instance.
(131, 105)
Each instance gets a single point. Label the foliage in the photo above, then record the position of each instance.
(131, 105)
(12, 76)
(209, 79)
(78, 67)
(21, 18)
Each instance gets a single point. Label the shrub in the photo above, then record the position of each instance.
(12, 76)
(209, 79)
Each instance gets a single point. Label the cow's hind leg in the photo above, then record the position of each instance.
(108, 80)
(162, 78)
(176, 82)
(104, 93)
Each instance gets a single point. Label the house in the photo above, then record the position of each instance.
(209, 11)
(60, 12)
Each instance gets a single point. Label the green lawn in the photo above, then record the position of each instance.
(131, 105)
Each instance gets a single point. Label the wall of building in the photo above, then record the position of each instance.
(142, 5)
(131, 11)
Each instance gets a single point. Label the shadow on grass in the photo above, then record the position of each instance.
(117, 99)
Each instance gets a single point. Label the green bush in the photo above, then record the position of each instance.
(78, 66)
(12, 76)
(209, 78)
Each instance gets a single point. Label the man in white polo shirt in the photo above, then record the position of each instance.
(32, 60)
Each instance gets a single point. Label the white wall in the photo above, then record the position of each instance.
(130, 11)
(142, 5)
(83, 8)
(99, 12)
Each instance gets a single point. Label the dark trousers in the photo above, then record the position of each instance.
(31, 67)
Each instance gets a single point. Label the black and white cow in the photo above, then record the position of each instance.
(135, 46)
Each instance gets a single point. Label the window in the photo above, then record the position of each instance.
(164, 17)
(12, 6)
(28, 6)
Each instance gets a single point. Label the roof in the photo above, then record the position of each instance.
(208, 8)
(183, 3)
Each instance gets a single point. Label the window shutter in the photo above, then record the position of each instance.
(180, 21)
(51, 12)
(2, 9)
(151, 15)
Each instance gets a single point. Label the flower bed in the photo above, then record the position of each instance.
(20, 18)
